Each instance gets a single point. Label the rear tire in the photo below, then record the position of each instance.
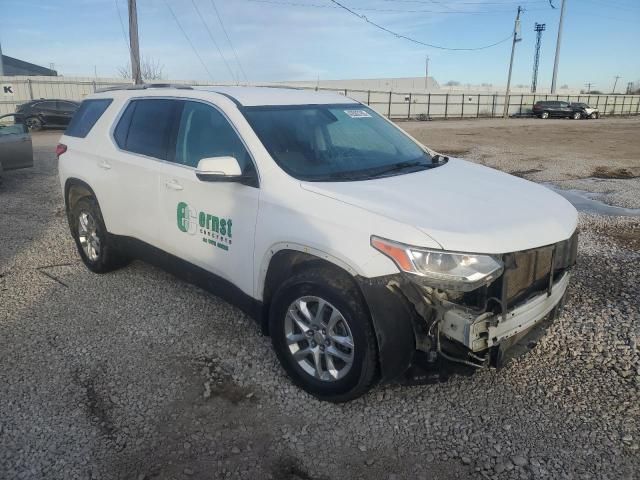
(93, 242)
(544, 115)
(329, 351)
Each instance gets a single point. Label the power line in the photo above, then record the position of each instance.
(480, 3)
(398, 35)
(383, 10)
(188, 39)
(213, 3)
(124, 33)
(213, 40)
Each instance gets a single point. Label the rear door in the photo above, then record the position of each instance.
(564, 109)
(210, 224)
(144, 136)
(15, 144)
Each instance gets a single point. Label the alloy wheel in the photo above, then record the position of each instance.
(88, 236)
(319, 338)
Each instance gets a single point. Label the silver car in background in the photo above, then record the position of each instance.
(16, 150)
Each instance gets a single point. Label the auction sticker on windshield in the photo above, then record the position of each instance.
(357, 113)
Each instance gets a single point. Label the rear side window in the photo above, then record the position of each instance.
(86, 117)
(146, 127)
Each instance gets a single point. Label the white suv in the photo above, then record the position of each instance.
(363, 254)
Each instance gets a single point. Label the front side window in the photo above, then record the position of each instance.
(86, 117)
(45, 106)
(7, 129)
(146, 127)
(67, 106)
(203, 133)
(335, 142)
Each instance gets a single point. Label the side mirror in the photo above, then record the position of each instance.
(219, 169)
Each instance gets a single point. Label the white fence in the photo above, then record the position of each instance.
(395, 105)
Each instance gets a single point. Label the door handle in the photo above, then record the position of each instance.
(173, 185)
(104, 165)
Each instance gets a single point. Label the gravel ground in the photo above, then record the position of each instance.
(136, 374)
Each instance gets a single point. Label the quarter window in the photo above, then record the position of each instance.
(203, 133)
(86, 117)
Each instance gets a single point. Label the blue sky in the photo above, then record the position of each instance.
(304, 39)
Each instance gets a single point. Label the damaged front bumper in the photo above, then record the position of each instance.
(481, 328)
(487, 330)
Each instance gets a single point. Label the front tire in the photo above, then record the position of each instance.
(576, 116)
(322, 334)
(593, 116)
(544, 115)
(92, 239)
(33, 123)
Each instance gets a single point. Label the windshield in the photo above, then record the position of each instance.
(335, 142)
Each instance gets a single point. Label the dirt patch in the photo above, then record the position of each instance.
(522, 173)
(455, 152)
(616, 173)
(287, 468)
(220, 383)
(97, 406)
(628, 238)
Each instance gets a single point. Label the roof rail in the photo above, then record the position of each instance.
(144, 86)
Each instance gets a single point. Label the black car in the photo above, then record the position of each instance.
(38, 114)
(556, 108)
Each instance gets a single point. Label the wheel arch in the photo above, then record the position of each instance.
(74, 190)
(388, 311)
(289, 260)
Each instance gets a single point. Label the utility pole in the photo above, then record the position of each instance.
(516, 29)
(588, 85)
(539, 28)
(426, 75)
(557, 59)
(613, 90)
(133, 43)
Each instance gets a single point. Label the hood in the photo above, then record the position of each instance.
(463, 206)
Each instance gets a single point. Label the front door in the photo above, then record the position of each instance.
(15, 145)
(209, 224)
(48, 111)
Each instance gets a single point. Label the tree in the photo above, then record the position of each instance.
(452, 83)
(150, 69)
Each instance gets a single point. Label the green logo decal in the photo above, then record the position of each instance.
(215, 230)
(186, 218)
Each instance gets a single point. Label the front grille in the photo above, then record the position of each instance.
(531, 272)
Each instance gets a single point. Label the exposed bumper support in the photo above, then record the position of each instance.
(487, 330)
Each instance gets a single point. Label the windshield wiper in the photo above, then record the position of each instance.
(396, 167)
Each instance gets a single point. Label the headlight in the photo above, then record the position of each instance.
(439, 268)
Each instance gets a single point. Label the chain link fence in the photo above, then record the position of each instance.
(395, 105)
